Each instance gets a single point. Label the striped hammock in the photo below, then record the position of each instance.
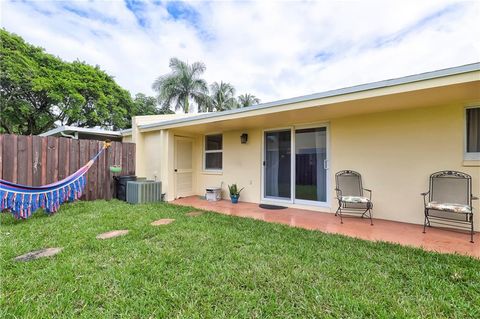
(22, 200)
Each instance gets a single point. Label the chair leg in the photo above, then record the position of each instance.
(425, 221)
(369, 211)
(339, 212)
(471, 229)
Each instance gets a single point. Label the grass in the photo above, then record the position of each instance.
(219, 266)
(306, 192)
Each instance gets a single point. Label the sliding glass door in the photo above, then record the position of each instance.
(295, 165)
(277, 164)
(310, 164)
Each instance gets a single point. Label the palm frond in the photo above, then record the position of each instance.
(182, 85)
(248, 99)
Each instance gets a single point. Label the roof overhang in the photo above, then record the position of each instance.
(460, 84)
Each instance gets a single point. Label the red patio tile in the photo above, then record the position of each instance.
(436, 239)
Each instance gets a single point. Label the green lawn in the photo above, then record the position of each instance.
(219, 266)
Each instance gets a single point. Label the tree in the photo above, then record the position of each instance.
(182, 86)
(39, 90)
(222, 97)
(147, 105)
(247, 99)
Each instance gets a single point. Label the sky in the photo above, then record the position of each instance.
(272, 49)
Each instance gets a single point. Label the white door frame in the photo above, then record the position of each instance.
(175, 172)
(292, 199)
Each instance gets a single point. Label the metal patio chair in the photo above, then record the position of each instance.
(350, 195)
(448, 201)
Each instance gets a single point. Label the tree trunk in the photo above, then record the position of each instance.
(186, 106)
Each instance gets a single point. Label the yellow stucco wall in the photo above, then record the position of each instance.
(241, 165)
(152, 165)
(395, 151)
(127, 139)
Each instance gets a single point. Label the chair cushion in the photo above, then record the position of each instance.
(355, 199)
(450, 207)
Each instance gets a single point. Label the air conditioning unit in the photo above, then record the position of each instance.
(139, 192)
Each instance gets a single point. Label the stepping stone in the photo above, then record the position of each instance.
(113, 233)
(47, 252)
(164, 221)
(194, 214)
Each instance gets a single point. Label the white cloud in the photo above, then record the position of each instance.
(271, 49)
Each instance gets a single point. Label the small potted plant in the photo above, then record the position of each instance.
(234, 193)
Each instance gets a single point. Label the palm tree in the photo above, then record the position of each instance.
(247, 99)
(222, 97)
(182, 86)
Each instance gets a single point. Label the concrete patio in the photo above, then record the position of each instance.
(436, 239)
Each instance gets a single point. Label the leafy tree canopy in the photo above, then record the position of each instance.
(147, 105)
(39, 91)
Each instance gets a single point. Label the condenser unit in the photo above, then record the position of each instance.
(139, 192)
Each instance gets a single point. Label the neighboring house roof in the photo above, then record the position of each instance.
(126, 132)
(70, 130)
(327, 94)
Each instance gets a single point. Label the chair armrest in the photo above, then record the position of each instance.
(425, 198)
(369, 191)
(339, 193)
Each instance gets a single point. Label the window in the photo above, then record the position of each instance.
(213, 152)
(472, 146)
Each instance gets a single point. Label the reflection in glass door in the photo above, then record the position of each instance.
(310, 164)
(277, 164)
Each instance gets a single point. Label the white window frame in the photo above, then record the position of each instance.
(469, 156)
(205, 152)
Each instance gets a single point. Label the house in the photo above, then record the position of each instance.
(86, 133)
(394, 132)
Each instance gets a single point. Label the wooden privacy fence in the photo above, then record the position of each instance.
(36, 161)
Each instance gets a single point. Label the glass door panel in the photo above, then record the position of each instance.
(277, 165)
(310, 171)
